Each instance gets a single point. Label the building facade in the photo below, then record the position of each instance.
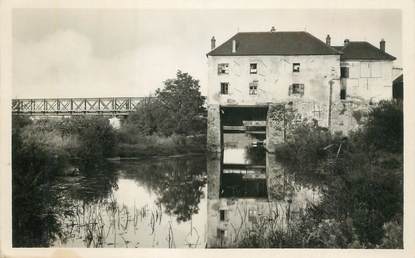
(366, 71)
(254, 69)
(260, 84)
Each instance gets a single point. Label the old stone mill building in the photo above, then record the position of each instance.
(252, 77)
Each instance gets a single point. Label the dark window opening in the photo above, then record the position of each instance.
(222, 215)
(221, 233)
(343, 94)
(296, 89)
(253, 88)
(223, 68)
(224, 88)
(253, 68)
(344, 72)
(296, 67)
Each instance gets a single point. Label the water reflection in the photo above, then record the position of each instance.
(149, 203)
(242, 172)
(178, 183)
(250, 191)
(91, 183)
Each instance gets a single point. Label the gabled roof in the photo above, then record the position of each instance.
(362, 50)
(274, 43)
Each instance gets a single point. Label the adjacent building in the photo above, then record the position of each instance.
(365, 71)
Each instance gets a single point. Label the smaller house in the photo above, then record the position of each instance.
(365, 71)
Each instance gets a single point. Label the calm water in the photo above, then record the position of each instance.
(151, 203)
(248, 190)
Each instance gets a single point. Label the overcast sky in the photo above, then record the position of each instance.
(101, 53)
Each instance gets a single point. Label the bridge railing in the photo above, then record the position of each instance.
(76, 105)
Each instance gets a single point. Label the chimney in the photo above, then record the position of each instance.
(382, 45)
(213, 43)
(346, 42)
(272, 29)
(233, 46)
(328, 40)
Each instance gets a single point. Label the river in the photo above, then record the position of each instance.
(149, 203)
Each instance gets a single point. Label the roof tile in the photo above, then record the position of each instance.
(274, 43)
(362, 50)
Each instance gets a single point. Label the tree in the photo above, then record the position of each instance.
(384, 129)
(181, 104)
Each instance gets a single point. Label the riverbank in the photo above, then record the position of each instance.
(156, 146)
(154, 157)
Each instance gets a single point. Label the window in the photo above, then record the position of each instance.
(343, 94)
(221, 233)
(296, 67)
(376, 69)
(224, 88)
(253, 88)
(222, 215)
(344, 72)
(296, 89)
(343, 90)
(223, 68)
(365, 69)
(253, 68)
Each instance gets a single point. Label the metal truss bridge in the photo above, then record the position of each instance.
(77, 106)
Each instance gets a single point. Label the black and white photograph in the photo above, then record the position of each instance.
(183, 128)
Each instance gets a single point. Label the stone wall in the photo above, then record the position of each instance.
(348, 115)
(282, 117)
(213, 129)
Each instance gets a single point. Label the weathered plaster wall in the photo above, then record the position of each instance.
(275, 75)
(213, 129)
(369, 80)
(349, 115)
(284, 115)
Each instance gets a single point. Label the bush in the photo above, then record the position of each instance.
(36, 161)
(384, 128)
(305, 151)
(97, 137)
(362, 191)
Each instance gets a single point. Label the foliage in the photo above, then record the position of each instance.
(97, 136)
(178, 183)
(40, 151)
(393, 235)
(154, 145)
(34, 166)
(182, 104)
(362, 190)
(384, 129)
(175, 109)
(143, 121)
(304, 151)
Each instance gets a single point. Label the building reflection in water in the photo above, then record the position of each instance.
(248, 188)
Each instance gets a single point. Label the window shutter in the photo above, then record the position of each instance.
(290, 90)
(302, 89)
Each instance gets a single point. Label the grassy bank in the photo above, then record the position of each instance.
(93, 138)
(148, 146)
